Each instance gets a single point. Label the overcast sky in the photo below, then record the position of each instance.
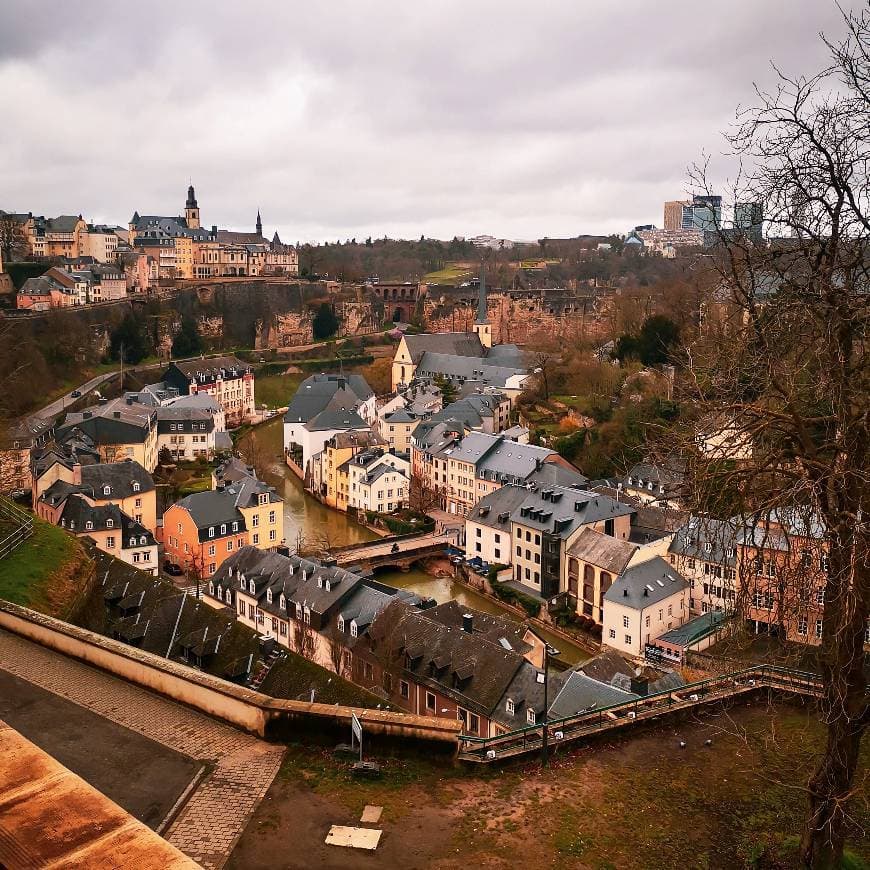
(517, 119)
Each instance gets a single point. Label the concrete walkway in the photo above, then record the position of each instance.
(241, 767)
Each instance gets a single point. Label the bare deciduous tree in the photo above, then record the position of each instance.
(782, 352)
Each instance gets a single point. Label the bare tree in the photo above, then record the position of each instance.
(422, 497)
(13, 243)
(337, 648)
(785, 356)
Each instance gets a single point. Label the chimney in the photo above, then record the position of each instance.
(214, 231)
(639, 685)
(116, 415)
(87, 415)
(468, 622)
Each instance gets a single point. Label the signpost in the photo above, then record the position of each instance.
(356, 732)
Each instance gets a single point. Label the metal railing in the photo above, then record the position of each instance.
(22, 523)
(622, 714)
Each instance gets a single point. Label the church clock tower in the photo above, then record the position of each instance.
(191, 210)
(482, 326)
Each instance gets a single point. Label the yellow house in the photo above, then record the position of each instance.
(334, 481)
(396, 429)
(263, 510)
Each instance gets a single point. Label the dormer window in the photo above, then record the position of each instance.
(143, 540)
(269, 595)
(136, 486)
(341, 624)
(211, 531)
(320, 582)
(107, 490)
(530, 716)
(509, 706)
(210, 588)
(235, 527)
(88, 525)
(630, 481)
(708, 547)
(110, 524)
(283, 601)
(223, 528)
(132, 542)
(353, 629)
(264, 498)
(327, 585)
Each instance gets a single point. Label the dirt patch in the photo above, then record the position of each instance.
(644, 803)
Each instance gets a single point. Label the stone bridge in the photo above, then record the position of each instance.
(392, 552)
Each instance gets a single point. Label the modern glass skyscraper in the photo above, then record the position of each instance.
(748, 219)
(702, 213)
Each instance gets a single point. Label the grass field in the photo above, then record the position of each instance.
(43, 572)
(275, 391)
(451, 274)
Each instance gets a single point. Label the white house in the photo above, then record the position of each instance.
(645, 601)
(378, 481)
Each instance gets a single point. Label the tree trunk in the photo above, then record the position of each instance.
(844, 704)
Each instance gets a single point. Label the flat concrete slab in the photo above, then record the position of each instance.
(354, 838)
(371, 814)
(141, 776)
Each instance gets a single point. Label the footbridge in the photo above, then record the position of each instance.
(398, 552)
(626, 715)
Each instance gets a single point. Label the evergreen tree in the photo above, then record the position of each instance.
(188, 342)
(325, 321)
(131, 335)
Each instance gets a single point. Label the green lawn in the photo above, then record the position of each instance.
(275, 391)
(450, 274)
(42, 572)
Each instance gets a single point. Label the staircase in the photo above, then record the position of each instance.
(264, 667)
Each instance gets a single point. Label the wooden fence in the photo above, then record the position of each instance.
(20, 522)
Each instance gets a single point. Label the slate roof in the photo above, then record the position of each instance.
(561, 510)
(233, 469)
(526, 693)
(191, 419)
(581, 693)
(77, 513)
(646, 583)
(247, 491)
(117, 422)
(231, 237)
(211, 367)
(495, 510)
(459, 664)
(604, 551)
(120, 476)
(336, 419)
(453, 366)
(454, 343)
(708, 540)
(400, 416)
(211, 509)
(486, 625)
(319, 392)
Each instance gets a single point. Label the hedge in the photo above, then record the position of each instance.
(511, 596)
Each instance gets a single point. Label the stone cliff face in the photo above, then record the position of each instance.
(519, 317)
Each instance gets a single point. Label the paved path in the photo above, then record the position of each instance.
(243, 766)
(57, 406)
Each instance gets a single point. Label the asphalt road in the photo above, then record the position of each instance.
(143, 777)
(57, 406)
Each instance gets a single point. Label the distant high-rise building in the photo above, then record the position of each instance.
(699, 213)
(748, 219)
(674, 214)
(703, 213)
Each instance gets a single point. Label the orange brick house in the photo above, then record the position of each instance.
(202, 530)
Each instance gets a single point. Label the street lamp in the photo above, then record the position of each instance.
(549, 650)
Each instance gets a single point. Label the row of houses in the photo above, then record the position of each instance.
(442, 660)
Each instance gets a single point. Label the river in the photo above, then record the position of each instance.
(307, 519)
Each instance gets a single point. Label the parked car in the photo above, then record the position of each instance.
(172, 569)
(76, 394)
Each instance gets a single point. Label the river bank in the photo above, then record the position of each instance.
(310, 524)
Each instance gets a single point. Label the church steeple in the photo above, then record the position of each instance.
(191, 209)
(259, 224)
(482, 327)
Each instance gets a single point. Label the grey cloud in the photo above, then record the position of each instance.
(344, 119)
